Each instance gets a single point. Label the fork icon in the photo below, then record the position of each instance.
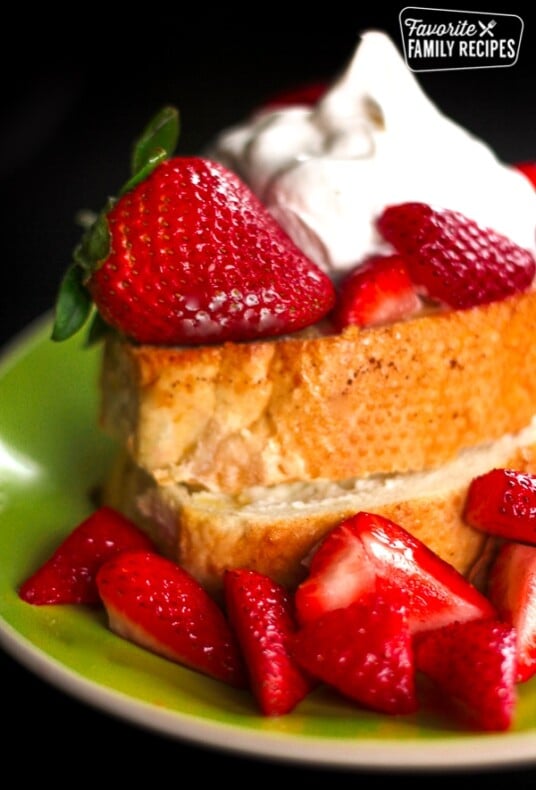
(487, 28)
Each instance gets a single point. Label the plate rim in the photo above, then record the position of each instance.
(471, 751)
(381, 755)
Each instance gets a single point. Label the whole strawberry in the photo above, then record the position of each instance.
(454, 260)
(189, 255)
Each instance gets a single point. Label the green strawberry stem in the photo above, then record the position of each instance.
(158, 155)
(73, 304)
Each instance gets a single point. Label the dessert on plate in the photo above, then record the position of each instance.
(246, 449)
(318, 368)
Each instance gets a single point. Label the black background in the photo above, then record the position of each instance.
(75, 92)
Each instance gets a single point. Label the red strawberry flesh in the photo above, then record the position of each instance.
(155, 603)
(196, 258)
(364, 651)
(454, 260)
(366, 548)
(261, 613)
(502, 502)
(340, 572)
(512, 590)
(68, 576)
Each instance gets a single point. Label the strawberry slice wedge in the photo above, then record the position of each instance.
(260, 611)
(366, 548)
(377, 292)
(502, 502)
(156, 604)
(68, 576)
(512, 589)
(474, 664)
(364, 651)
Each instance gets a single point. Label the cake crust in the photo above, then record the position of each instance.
(393, 399)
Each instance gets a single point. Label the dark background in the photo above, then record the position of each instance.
(75, 92)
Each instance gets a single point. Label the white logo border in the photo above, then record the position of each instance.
(458, 11)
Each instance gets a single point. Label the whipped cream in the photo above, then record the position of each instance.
(374, 139)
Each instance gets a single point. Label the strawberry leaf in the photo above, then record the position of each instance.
(95, 243)
(73, 304)
(161, 133)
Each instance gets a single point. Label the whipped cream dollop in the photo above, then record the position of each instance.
(374, 139)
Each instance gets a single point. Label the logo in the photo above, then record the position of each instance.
(436, 39)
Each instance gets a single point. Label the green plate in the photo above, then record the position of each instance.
(52, 458)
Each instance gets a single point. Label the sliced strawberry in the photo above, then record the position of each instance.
(261, 613)
(379, 291)
(156, 604)
(474, 663)
(364, 651)
(512, 590)
(368, 547)
(502, 502)
(68, 576)
(341, 571)
(454, 260)
(528, 169)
